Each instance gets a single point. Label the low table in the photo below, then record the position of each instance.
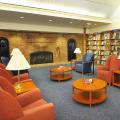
(60, 73)
(26, 86)
(89, 93)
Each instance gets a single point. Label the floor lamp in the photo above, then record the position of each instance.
(17, 62)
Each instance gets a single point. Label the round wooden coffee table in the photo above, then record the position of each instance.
(60, 73)
(89, 93)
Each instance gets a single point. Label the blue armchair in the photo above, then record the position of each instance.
(85, 65)
(4, 60)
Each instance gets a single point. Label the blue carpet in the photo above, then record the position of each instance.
(60, 93)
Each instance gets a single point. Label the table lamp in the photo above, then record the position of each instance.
(17, 62)
(77, 50)
(16, 51)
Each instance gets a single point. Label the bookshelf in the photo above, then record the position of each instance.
(104, 44)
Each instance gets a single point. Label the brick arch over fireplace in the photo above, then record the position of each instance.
(41, 57)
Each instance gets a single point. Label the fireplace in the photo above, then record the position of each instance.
(41, 57)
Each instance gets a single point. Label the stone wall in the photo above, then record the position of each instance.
(29, 42)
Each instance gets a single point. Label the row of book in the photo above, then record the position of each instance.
(104, 35)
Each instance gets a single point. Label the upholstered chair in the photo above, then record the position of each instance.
(26, 106)
(7, 86)
(105, 72)
(13, 79)
(5, 60)
(84, 66)
(10, 109)
(2, 66)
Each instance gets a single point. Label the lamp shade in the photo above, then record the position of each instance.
(119, 57)
(18, 62)
(16, 51)
(77, 50)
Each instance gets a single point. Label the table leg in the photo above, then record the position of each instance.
(90, 98)
(73, 90)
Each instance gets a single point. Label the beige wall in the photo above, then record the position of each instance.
(29, 42)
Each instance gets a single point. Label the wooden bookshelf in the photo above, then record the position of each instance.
(104, 44)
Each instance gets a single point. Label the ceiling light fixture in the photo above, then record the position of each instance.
(70, 22)
(50, 20)
(88, 24)
(21, 17)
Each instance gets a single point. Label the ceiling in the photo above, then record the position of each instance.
(67, 13)
(17, 17)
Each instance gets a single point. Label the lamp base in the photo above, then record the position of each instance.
(18, 85)
(88, 81)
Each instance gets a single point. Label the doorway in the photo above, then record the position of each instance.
(71, 47)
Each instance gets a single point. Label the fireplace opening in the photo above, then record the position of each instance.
(41, 57)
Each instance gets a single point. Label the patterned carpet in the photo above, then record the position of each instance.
(60, 93)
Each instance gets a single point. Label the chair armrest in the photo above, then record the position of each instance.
(78, 62)
(22, 76)
(114, 69)
(42, 112)
(29, 97)
(15, 79)
(86, 62)
(101, 67)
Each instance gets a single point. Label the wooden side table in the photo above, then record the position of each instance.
(93, 93)
(116, 78)
(27, 86)
(60, 74)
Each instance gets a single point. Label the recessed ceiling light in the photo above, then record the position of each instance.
(88, 24)
(70, 22)
(50, 20)
(21, 17)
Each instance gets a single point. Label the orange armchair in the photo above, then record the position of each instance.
(13, 79)
(105, 72)
(26, 106)
(10, 109)
(7, 86)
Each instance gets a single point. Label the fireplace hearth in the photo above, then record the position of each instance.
(41, 57)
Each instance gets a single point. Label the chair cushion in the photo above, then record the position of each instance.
(114, 63)
(9, 107)
(7, 86)
(2, 66)
(35, 104)
(87, 57)
(104, 75)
